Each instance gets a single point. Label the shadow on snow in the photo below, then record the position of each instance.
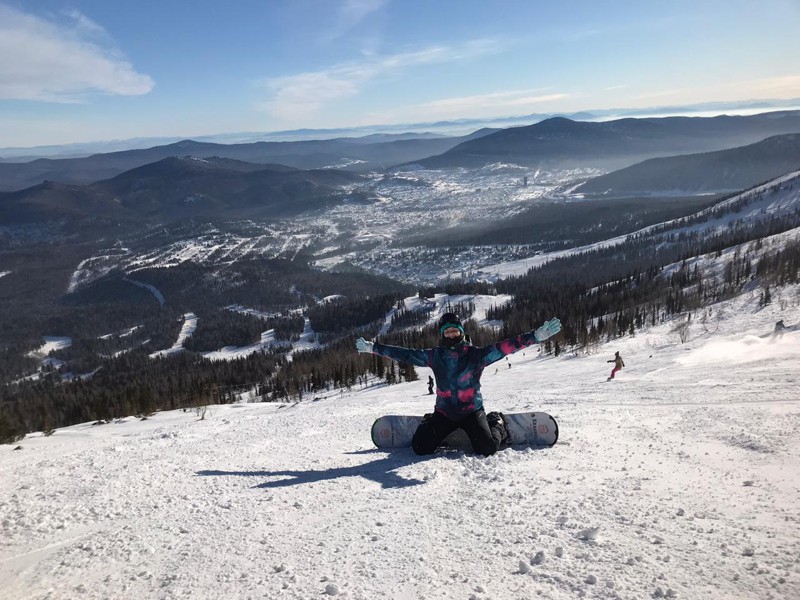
(382, 470)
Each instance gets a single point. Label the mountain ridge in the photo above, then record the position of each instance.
(311, 154)
(719, 171)
(174, 188)
(612, 144)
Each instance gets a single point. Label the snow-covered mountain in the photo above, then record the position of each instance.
(612, 144)
(776, 199)
(679, 479)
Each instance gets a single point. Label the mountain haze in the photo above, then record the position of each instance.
(352, 154)
(51, 201)
(175, 188)
(561, 142)
(557, 142)
(721, 171)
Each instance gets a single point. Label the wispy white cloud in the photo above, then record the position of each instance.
(65, 61)
(354, 11)
(783, 87)
(495, 100)
(494, 104)
(86, 27)
(351, 14)
(662, 95)
(296, 97)
(787, 86)
(299, 96)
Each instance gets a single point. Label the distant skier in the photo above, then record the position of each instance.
(779, 329)
(430, 385)
(457, 366)
(618, 364)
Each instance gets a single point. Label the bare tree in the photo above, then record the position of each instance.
(682, 329)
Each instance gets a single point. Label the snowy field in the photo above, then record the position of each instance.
(681, 478)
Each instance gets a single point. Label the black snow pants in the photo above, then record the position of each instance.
(432, 431)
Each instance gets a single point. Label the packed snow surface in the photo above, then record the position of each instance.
(678, 479)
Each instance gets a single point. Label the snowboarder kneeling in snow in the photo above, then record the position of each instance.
(457, 366)
(618, 364)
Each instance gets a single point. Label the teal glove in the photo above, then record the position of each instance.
(363, 345)
(549, 329)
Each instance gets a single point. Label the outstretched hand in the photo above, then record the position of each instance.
(549, 329)
(363, 345)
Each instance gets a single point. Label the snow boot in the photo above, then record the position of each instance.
(497, 421)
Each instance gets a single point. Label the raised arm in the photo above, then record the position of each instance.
(497, 351)
(413, 356)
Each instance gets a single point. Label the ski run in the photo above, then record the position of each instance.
(678, 479)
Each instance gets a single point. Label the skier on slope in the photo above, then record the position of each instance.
(779, 329)
(457, 366)
(618, 364)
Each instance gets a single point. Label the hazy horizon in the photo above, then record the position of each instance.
(455, 127)
(89, 71)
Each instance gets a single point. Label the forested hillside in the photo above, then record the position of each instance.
(137, 328)
(598, 296)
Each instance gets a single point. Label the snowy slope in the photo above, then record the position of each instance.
(679, 479)
(42, 353)
(187, 329)
(777, 198)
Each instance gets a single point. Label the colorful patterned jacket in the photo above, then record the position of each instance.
(457, 370)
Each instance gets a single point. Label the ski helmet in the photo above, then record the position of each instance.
(448, 321)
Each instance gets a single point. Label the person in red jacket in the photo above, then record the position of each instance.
(457, 366)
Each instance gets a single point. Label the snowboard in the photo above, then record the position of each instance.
(527, 428)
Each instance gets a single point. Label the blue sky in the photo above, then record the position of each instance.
(84, 70)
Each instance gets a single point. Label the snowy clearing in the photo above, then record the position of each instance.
(51, 344)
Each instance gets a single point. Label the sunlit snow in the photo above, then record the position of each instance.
(679, 479)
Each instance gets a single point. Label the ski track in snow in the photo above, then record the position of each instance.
(187, 329)
(151, 288)
(680, 478)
